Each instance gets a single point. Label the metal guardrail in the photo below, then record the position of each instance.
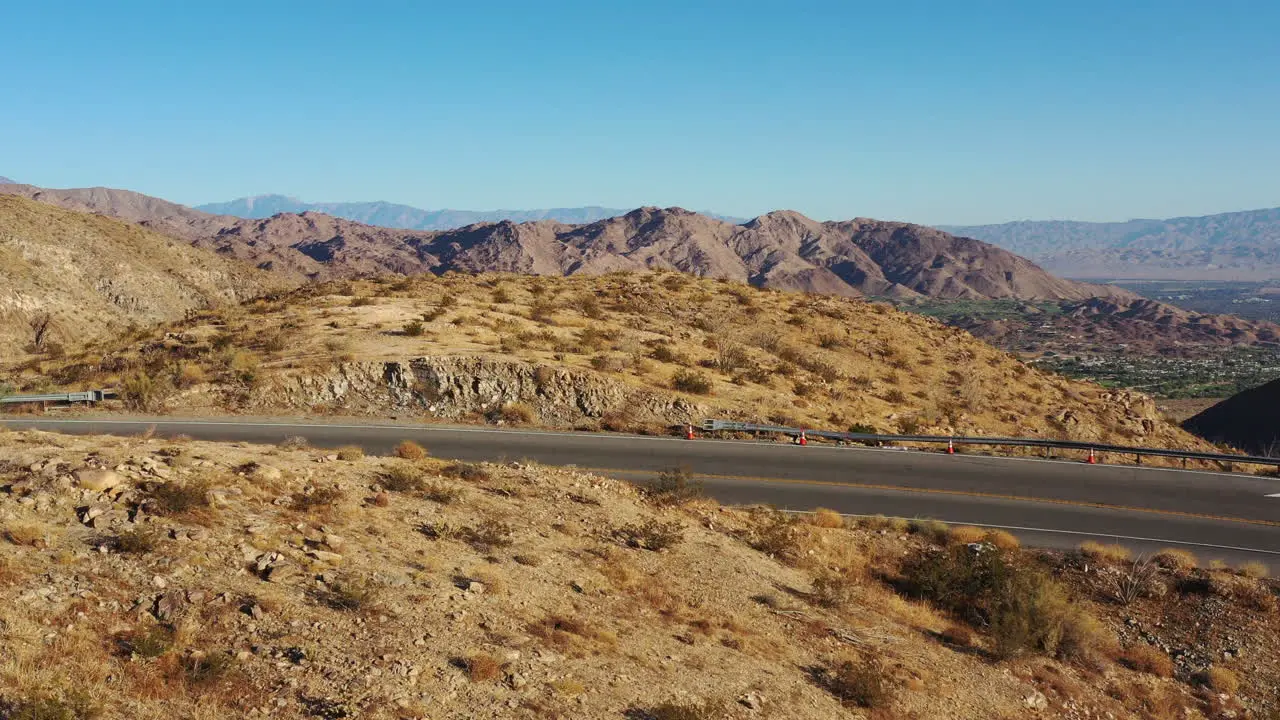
(89, 396)
(729, 426)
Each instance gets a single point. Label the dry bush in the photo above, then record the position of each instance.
(141, 392)
(318, 499)
(362, 302)
(1256, 570)
(189, 375)
(468, 471)
(482, 667)
(863, 683)
(1176, 559)
(1220, 679)
(410, 450)
(836, 589)
(651, 534)
(134, 542)
(1138, 580)
(173, 498)
(402, 478)
(1003, 540)
(414, 328)
(825, 518)
(517, 413)
(26, 534)
(674, 486)
(72, 706)
(934, 531)
(350, 453)
(1099, 552)
(443, 493)
(691, 381)
(294, 442)
(149, 643)
(967, 534)
(680, 711)
(487, 536)
(1148, 659)
(563, 632)
(352, 594)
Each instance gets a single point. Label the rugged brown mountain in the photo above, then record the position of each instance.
(1136, 324)
(94, 276)
(1249, 420)
(782, 250)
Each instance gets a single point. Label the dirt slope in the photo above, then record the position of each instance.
(97, 277)
(143, 579)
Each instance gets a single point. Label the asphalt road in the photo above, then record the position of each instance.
(1046, 503)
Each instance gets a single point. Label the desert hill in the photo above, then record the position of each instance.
(1249, 420)
(95, 277)
(783, 250)
(633, 351)
(149, 579)
(1226, 246)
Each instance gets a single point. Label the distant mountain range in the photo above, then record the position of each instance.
(6, 181)
(1228, 246)
(407, 217)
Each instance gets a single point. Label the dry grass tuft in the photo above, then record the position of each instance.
(482, 667)
(410, 450)
(1148, 659)
(1176, 559)
(1100, 552)
(1256, 570)
(825, 518)
(350, 453)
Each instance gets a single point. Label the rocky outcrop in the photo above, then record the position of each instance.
(455, 387)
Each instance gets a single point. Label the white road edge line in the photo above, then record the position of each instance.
(430, 428)
(1068, 532)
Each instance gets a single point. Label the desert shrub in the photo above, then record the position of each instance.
(515, 414)
(895, 396)
(468, 471)
(691, 381)
(402, 478)
(244, 367)
(662, 352)
(1002, 540)
(674, 486)
(317, 499)
(202, 671)
(274, 342)
(140, 391)
(835, 589)
(1148, 659)
(410, 450)
(774, 533)
(966, 534)
(25, 534)
(541, 310)
(1022, 607)
(588, 305)
(935, 531)
(173, 498)
(295, 442)
(1220, 679)
(74, 706)
(414, 328)
(830, 341)
(824, 518)
(149, 643)
(482, 667)
(1176, 559)
(487, 536)
(651, 534)
(362, 302)
(134, 542)
(1099, 552)
(501, 295)
(1256, 570)
(860, 684)
(1139, 579)
(350, 453)
(442, 493)
(347, 594)
(190, 375)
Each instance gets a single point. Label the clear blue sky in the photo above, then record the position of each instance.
(943, 112)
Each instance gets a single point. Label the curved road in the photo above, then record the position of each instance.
(1047, 503)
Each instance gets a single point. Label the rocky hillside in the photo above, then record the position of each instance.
(782, 250)
(144, 579)
(636, 351)
(1249, 421)
(82, 277)
(1227, 246)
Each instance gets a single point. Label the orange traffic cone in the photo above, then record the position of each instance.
(803, 440)
(688, 431)
(1093, 460)
(951, 447)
